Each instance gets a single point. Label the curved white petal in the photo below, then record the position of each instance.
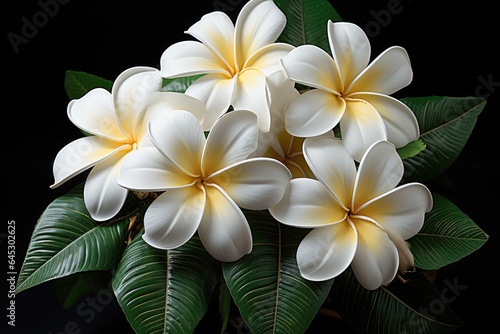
(190, 58)
(173, 218)
(388, 73)
(326, 251)
(376, 259)
(224, 230)
(147, 169)
(103, 197)
(254, 184)
(350, 49)
(233, 138)
(259, 23)
(267, 59)
(314, 113)
(164, 102)
(82, 154)
(311, 66)
(380, 171)
(400, 122)
(94, 113)
(130, 92)
(179, 136)
(251, 94)
(401, 210)
(216, 31)
(216, 92)
(307, 203)
(361, 126)
(406, 260)
(332, 165)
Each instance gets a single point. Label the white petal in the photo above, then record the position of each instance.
(254, 184)
(216, 31)
(400, 122)
(327, 251)
(314, 113)
(173, 218)
(311, 66)
(388, 73)
(251, 94)
(401, 210)
(130, 92)
(259, 23)
(94, 113)
(233, 138)
(307, 203)
(380, 171)
(267, 59)
(190, 58)
(350, 48)
(147, 169)
(164, 102)
(361, 126)
(103, 197)
(216, 92)
(224, 230)
(332, 165)
(376, 259)
(179, 136)
(82, 154)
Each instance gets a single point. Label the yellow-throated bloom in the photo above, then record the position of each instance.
(359, 217)
(349, 91)
(117, 124)
(278, 143)
(205, 182)
(235, 58)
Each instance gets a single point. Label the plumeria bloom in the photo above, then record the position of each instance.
(350, 92)
(359, 217)
(234, 58)
(205, 182)
(278, 143)
(117, 125)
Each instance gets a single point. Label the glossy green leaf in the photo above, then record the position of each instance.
(307, 22)
(447, 236)
(411, 149)
(77, 84)
(445, 126)
(266, 284)
(165, 291)
(178, 85)
(66, 240)
(400, 308)
(70, 289)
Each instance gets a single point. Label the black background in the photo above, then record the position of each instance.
(453, 49)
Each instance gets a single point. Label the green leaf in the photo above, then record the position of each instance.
(411, 149)
(72, 288)
(178, 85)
(398, 308)
(77, 84)
(447, 236)
(266, 284)
(66, 240)
(445, 126)
(307, 22)
(165, 291)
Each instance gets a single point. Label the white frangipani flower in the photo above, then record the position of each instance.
(235, 60)
(117, 125)
(204, 182)
(349, 91)
(358, 217)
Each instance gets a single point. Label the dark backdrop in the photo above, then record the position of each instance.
(452, 46)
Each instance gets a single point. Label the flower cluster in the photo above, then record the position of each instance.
(267, 165)
(308, 135)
